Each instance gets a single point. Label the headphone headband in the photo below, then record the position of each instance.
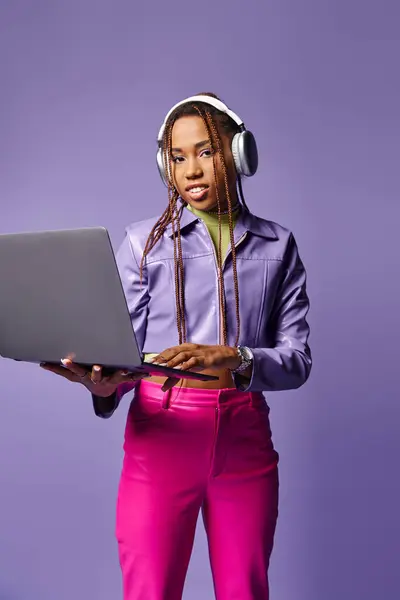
(206, 100)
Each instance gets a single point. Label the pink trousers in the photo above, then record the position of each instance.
(186, 450)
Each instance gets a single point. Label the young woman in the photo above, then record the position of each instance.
(212, 288)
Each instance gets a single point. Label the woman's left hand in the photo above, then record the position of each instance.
(198, 357)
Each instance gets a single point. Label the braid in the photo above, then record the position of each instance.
(215, 142)
(178, 260)
(171, 216)
(232, 240)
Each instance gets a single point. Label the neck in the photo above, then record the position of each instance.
(211, 216)
(214, 211)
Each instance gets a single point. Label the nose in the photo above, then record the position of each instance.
(193, 169)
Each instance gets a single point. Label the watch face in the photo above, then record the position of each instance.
(246, 354)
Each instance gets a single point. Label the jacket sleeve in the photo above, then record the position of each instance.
(137, 297)
(287, 363)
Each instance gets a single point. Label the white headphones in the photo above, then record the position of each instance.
(244, 147)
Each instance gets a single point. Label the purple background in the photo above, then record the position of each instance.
(84, 87)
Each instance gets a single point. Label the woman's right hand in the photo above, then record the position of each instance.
(92, 380)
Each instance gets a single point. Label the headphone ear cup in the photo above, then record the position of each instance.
(245, 153)
(161, 168)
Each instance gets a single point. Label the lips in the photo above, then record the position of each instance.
(197, 192)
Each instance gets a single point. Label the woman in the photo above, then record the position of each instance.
(221, 291)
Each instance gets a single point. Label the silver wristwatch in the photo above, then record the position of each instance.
(246, 356)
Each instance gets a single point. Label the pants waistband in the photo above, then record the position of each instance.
(197, 396)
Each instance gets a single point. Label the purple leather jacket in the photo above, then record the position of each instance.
(272, 291)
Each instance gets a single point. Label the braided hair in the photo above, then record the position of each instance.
(214, 121)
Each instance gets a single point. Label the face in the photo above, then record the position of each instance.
(193, 165)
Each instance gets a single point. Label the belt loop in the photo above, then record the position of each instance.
(165, 402)
(251, 399)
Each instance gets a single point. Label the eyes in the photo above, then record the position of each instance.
(206, 153)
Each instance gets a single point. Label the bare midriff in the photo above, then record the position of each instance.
(224, 380)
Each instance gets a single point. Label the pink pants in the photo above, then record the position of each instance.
(186, 450)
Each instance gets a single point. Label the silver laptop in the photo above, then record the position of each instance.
(61, 296)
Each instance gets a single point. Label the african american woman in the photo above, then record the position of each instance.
(212, 288)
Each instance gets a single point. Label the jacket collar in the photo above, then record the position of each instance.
(186, 219)
(246, 222)
(249, 222)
